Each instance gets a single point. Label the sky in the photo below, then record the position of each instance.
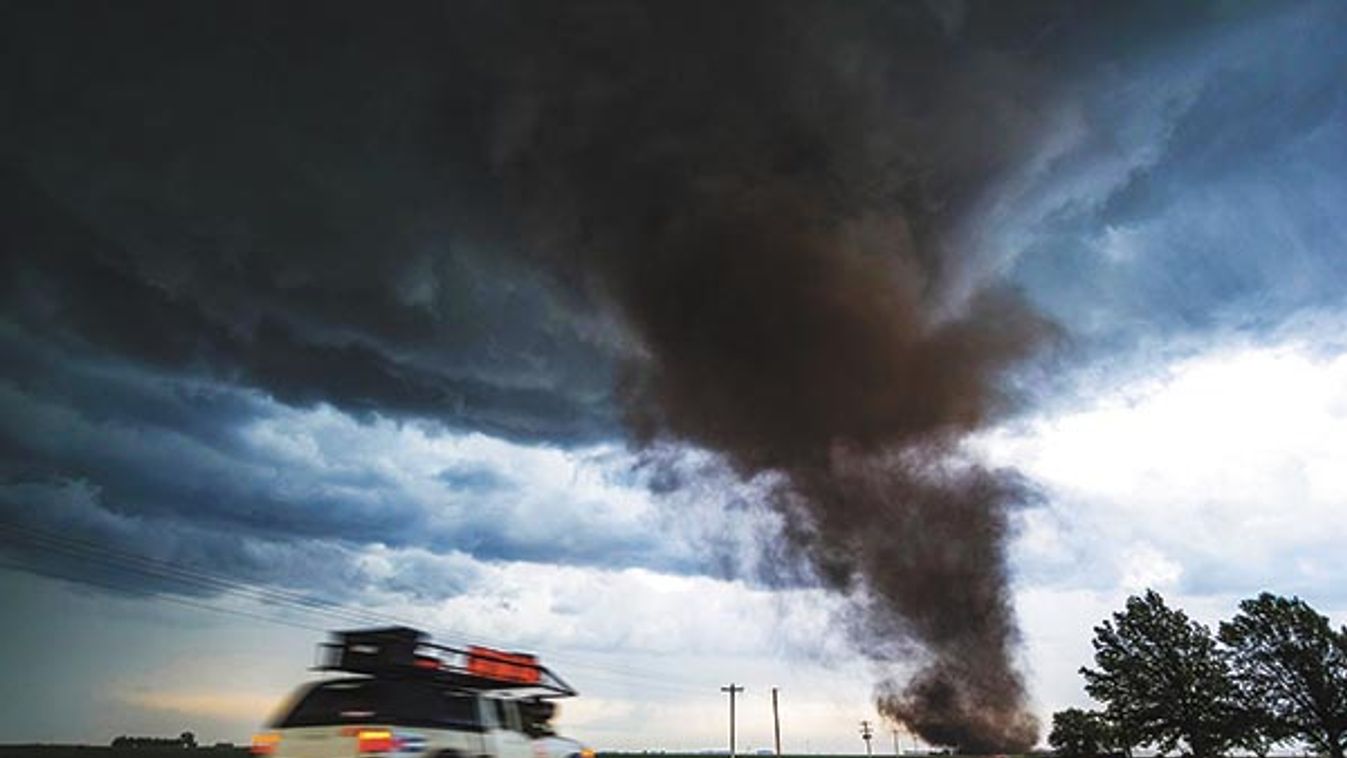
(537, 326)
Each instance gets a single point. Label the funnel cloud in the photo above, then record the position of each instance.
(769, 200)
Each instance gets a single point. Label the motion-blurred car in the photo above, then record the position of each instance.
(405, 697)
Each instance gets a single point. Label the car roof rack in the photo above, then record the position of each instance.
(405, 652)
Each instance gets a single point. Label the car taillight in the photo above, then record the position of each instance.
(374, 741)
(265, 743)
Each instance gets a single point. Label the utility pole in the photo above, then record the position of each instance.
(867, 734)
(896, 752)
(733, 689)
(776, 722)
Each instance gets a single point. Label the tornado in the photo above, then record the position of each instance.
(772, 201)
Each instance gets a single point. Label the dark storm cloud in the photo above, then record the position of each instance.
(351, 344)
(307, 200)
(1203, 191)
(296, 202)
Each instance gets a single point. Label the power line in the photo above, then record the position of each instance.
(157, 569)
(178, 600)
(277, 598)
(286, 599)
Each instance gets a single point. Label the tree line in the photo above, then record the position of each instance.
(1274, 674)
(184, 740)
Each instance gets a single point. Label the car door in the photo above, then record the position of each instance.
(505, 731)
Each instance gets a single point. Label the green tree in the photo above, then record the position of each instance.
(1291, 664)
(1164, 681)
(1079, 734)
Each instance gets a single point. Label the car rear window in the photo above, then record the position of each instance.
(376, 701)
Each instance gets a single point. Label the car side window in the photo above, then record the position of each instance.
(457, 711)
(490, 713)
(508, 716)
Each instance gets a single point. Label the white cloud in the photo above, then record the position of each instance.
(1147, 567)
(1220, 472)
(638, 611)
(498, 499)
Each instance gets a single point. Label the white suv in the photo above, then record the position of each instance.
(411, 699)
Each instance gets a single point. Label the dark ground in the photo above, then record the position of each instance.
(103, 751)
